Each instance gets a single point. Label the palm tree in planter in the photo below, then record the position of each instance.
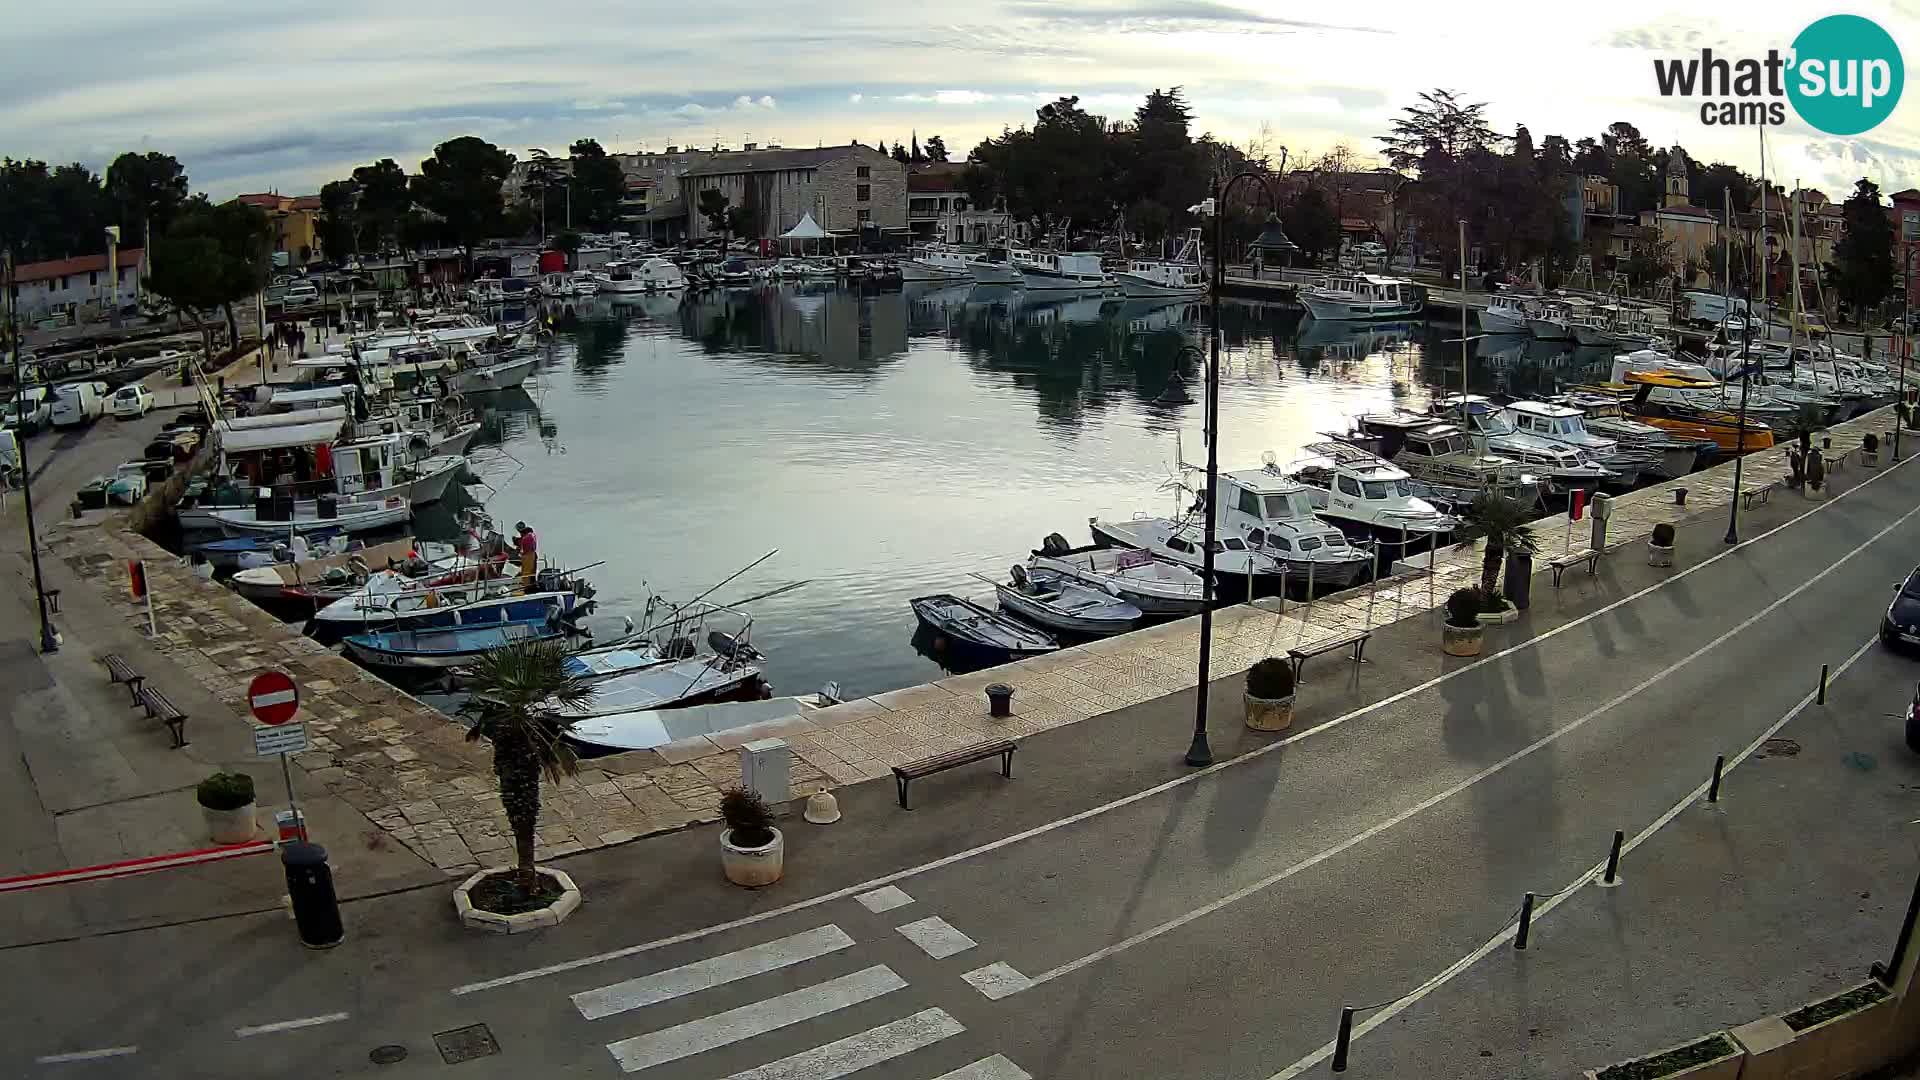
(514, 689)
(1504, 522)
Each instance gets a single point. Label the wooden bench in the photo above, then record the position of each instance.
(953, 759)
(159, 708)
(119, 671)
(1759, 493)
(1300, 654)
(1560, 563)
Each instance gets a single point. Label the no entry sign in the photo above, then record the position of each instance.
(273, 697)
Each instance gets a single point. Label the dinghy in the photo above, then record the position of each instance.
(1153, 585)
(1058, 602)
(448, 647)
(968, 627)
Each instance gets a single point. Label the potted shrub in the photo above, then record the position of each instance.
(226, 801)
(1461, 634)
(1270, 695)
(1870, 450)
(1660, 546)
(751, 850)
(1504, 524)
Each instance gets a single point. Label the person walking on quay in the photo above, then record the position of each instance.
(527, 543)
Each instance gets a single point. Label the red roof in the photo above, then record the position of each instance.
(128, 258)
(1909, 195)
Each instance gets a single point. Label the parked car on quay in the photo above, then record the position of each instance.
(29, 411)
(131, 402)
(75, 404)
(1900, 626)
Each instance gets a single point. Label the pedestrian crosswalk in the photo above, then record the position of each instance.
(908, 1028)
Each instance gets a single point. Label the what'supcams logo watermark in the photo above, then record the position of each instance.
(1843, 75)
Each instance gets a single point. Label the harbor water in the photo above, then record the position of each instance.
(895, 444)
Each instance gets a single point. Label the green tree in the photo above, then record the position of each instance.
(544, 177)
(461, 183)
(1503, 522)
(145, 189)
(51, 213)
(1863, 259)
(186, 273)
(900, 154)
(1650, 261)
(1439, 120)
(340, 218)
(382, 200)
(211, 258)
(520, 695)
(914, 154)
(936, 149)
(598, 186)
(1311, 223)
(713, 206)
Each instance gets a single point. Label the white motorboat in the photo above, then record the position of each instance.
(1363, 296)
(306, 517)
(1155, 586)
(1061, 271)
(994, 268)
(459, 597)
(938, 262)
(503, 374)
(1566, 425)
(1602, 413)
(1369, 497)
(1553, 317)
(1437, 454)
(645, 729)
(1181, 542)
(1565, 467)
(437, 330)
(646, 276)
(1181, 278)
(327, 572)
(1506, 313)
(668, 683)
(1275, 514)
(1058, 602)
(563, 284)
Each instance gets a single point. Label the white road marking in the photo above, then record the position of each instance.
(87, 1055)
(1158, 789)
(1507, 934)
(1433, 800)
(997, 981)
(722, 1029)
(990, 1068)
(288, 1025)
(713, 971)
(884, 899)
(936, 937)
(855, 1052)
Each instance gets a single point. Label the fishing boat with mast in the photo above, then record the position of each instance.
(1180, 278)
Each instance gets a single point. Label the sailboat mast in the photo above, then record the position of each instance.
(1762, 253)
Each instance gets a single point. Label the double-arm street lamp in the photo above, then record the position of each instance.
(1200, 753)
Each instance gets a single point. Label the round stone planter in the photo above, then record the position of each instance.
(1659, 556)
(230, 826)
(1461, 640)
(1505, 615)
(752, 867)
(1269, 714)
(540, 918)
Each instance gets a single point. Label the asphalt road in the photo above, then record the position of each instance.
(1209, 927)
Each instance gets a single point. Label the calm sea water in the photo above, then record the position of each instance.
(892, 445)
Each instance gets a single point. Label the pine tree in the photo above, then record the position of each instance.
(1863, 259)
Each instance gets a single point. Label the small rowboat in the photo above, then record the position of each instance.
(970, 627)
(454, 646)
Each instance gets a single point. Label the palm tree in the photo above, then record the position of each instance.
(1503, 521)
(512, 689)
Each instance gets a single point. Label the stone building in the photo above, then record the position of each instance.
(939, 209)
(1690, 229)
(82, 286)
(847, 189)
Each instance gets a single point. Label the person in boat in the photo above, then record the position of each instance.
(527, 543)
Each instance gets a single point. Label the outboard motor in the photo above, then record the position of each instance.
(1055, 544)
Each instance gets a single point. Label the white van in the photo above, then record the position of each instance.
(75, 404)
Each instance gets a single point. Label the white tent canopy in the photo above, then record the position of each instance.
(242, 440)
(807, 229)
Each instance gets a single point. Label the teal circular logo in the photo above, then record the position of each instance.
(1846, 75)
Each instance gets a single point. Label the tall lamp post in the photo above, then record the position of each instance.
(1740, 429)
(49, 642)
(1200, 753)
(1906, 345)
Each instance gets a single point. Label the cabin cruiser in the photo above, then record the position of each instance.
(1613, 326)
(1506, 313)
(1553, 317)
(435, 329)
(361, 471)
(1155, 586)
(1276, 515)
(1064, 271)
(563, 284)
(1677, 417)
(1563, 466)
(1446, 469)
(1567, 425)
(1363, 296)
(1368, 497)
(995, 268)
(428, 424)
(1182, 278)
(1183, 542)
(1601, 413)
(938, 262)
(625, 278)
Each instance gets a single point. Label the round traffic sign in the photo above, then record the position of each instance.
(273, 697)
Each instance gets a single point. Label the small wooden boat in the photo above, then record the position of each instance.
(644, 729)
(331, 576)
(451, 647)
(228, 554)
(309, 518)
(1153, 585)
(671, 683)
(1058, 602)
(966, 625)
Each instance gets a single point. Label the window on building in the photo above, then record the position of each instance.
(863, 171)
(93, 277)
(863, 193)
(866, 216)
(1910, 225)
(63, 282)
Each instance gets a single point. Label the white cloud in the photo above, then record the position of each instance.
(855, 98)
(746, 103)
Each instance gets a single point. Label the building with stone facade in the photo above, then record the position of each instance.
(1691, 229)
(939, 209)
(848, 189)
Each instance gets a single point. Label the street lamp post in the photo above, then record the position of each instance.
(49, 641)
(1200, 753)
(1740, 428)
(1906, 346)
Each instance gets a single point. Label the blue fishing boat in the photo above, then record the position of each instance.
(447, 647)
(226, 554)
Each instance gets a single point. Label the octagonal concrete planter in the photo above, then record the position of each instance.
(551, 915)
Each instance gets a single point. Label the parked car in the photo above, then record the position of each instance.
(29, 411)
(78, 403)
(1370, 250)
(131, 402)
(1900, 626)
(301, 292)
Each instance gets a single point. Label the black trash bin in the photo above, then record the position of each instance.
(999, 700)
(1518, 586)
(327, 506)
(310, 885)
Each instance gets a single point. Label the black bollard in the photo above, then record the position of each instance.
(316, 911)
(1713, 790)
(1822, 699)
(1343, 1040)
(1679, 496)
(1526, 922)
(1613, 858)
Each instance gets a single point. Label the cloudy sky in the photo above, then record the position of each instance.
(290, 96)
